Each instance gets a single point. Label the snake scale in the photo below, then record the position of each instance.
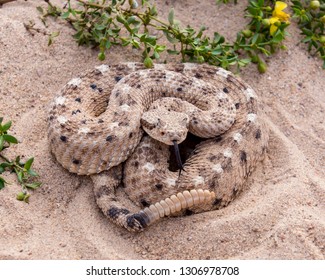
(117, 123)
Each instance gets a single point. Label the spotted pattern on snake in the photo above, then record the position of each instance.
(96, 126)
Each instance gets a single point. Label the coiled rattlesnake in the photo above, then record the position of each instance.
(95, 125)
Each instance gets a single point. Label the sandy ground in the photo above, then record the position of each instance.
(281, 215)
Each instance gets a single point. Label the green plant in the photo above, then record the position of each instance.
(265, 33)
(127, 23)
(310, 15)
(30, 27)
(23, 170)
(311, 20)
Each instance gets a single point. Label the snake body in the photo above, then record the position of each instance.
(96, 128)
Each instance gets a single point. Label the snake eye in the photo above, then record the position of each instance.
(162, 133)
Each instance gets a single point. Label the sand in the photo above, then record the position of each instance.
(280, 215)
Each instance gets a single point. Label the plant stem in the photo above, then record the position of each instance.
(14, 165)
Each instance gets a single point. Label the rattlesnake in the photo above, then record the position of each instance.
(96, 128)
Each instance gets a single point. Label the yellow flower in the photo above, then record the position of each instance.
(278, 16)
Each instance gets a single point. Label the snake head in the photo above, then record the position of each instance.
(166, 126)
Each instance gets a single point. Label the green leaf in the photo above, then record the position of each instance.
(121, 19)
(108, 45)
(278, 37)
(6, 164)
(2, 183)
(40, 9)
(133, 4)
(65, 15)
(224, 64)
(2, 141)
(73, 12)
(6, 126)
(307, 32)
(171, 16)
(17, 160)
(10, 139)
(170, 38)
(160, 48)
(152, 10)
(151, 39)
(135, 44)
(172, 51)
(100, 27)
(156, 55)
(218, 39)
(132, 19)
(200, 33)
(28, 163)
(306, 39)
(52, 36)
(55, 34)
(216, 52)
(244, 62)
(26, 198)
(20, 176)
(33, 186)
(255, 37)
(31, 172)
(260, 3)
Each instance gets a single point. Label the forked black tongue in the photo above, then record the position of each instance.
(178, 157)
